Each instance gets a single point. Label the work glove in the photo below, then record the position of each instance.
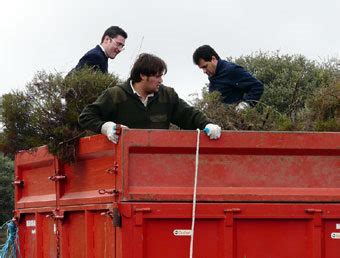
(63, 103)
(213, 131)
(109, 129)
(242, 106)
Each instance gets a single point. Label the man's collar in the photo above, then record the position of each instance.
(102, 48)
(135, 92)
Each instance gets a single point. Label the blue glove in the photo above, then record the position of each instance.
(213, 131)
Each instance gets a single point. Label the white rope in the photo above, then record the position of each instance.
(194, 197)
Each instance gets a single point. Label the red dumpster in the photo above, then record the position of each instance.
(260, 194)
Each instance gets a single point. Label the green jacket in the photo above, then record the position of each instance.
(120, 105)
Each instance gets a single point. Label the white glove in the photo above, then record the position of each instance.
(109, 129)
(213, 131)
(63, 103)
(242, 106)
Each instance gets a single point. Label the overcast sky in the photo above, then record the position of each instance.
(53, 35)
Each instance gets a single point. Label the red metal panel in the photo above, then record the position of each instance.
(331, 249)
(94, 170)
(229, 230)
(158, 165)
(240, 166)
(32, 186)
(273, 237)
(28, 236)
(79, 231)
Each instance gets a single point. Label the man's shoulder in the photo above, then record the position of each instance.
(95, 52)
(116, 93)
(166, 90)
(119, 88)
(228, 65)
(167, 94)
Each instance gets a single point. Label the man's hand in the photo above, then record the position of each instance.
(213, 131)
(242, 106)
(109, 129)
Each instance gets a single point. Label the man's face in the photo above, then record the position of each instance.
(152, 83)
(114, 46)
(208, 67)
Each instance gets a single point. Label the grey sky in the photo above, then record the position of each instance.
(53, 35)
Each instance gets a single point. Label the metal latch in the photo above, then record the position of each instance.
(114, 169)
(115, 215)
(18, 182)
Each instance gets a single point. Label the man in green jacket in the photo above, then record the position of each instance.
(143, 102)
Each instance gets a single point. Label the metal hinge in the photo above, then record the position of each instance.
(232, 210)
(56, 214)
(57, 177)
(114, 191)
(313, 211)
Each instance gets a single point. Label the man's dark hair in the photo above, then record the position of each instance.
(113, 32)
(148, 65)
(206, 53)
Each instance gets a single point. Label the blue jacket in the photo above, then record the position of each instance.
(95, 58)
(235, 84)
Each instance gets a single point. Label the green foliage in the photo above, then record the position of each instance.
(18, 130)
(261, 118)
(37, 117)
(6, 189)
(289, 79)
(323, 109)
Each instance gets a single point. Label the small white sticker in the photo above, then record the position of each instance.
(30, 223)
(182, 232)
(337, 226)
(54, 228)
(335, 235)
(33, 231)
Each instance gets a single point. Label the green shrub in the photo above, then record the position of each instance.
(37, 117)
(6, 189)
(289, 79)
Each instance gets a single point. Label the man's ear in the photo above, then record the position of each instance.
(143, 77)
(214, 60)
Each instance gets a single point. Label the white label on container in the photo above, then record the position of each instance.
(33, 231)
(335, 235)
(30, 223)
(182, 232)
(337, 226)
(54, 228)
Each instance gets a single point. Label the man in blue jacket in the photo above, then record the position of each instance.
(235, 84)
(113, 41)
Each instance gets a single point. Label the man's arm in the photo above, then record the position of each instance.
(96, 114)
(186, 116)
(252, 87)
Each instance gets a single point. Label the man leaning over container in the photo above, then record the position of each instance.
(235, 84)
(143, 102)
